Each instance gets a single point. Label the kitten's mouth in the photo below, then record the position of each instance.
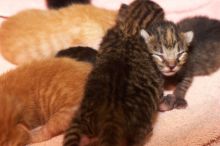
(169, 73)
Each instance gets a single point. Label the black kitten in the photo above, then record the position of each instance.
(56, 4)
(79, 53)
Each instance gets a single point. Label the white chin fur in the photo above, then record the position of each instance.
(169, 73)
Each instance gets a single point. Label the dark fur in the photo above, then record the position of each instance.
(123, 89)
(79, 53)
(56, 4)
(204, 51)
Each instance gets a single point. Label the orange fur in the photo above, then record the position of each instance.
(36, 34)
(44, 93)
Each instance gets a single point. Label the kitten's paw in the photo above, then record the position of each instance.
(40, 134)
(167, 103)
(95, 143)
(86, 141)
(180, 103)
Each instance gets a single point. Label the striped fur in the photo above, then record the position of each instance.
(25, 38)
(168, 46)
(199, 57)
(203, 56)
(43, 93)
(138, 16)
(123, 90)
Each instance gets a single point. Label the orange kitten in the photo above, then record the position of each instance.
(43, 93)
(36, 34)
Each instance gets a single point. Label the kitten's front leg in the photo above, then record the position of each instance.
(167, 103)
(180, 92)
(177, 99)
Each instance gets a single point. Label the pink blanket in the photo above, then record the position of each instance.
(199, 123)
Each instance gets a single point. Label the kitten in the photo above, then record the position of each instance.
(169, 49)
(79, 53)
(204, 50)
(184, 51)
(124, 87)
(44, 93)
(56, 4)
(37, 34)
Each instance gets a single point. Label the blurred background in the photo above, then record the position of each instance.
(175, 9)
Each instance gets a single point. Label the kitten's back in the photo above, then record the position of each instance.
(37, 34)
(203, 27)
(204, 51)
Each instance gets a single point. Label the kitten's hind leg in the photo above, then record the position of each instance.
(57, 124)
(19, 136)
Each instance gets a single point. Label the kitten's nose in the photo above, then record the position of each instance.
(172, 66)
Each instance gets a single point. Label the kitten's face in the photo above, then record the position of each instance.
(168, 48)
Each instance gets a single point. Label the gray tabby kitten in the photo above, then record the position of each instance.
(182, 51)
(123, 90)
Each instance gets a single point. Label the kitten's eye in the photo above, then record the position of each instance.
(158, 58)
(182, 56)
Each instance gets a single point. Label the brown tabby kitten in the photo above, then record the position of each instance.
(44, 93)
(169, 49)
(37, 34)
(185, 51)
(123, 90)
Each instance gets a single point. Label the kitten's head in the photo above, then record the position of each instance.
(139, 14)
(168, 46)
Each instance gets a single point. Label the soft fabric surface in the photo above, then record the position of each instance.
(199, 123)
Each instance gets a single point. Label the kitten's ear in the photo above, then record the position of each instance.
(123, 7)
(122, 12)
(145, 35)
(188, 36)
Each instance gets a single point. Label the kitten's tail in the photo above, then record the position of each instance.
(56, 4)
(4, 17)
(11, 132)
(110, 135)
(73, 135)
